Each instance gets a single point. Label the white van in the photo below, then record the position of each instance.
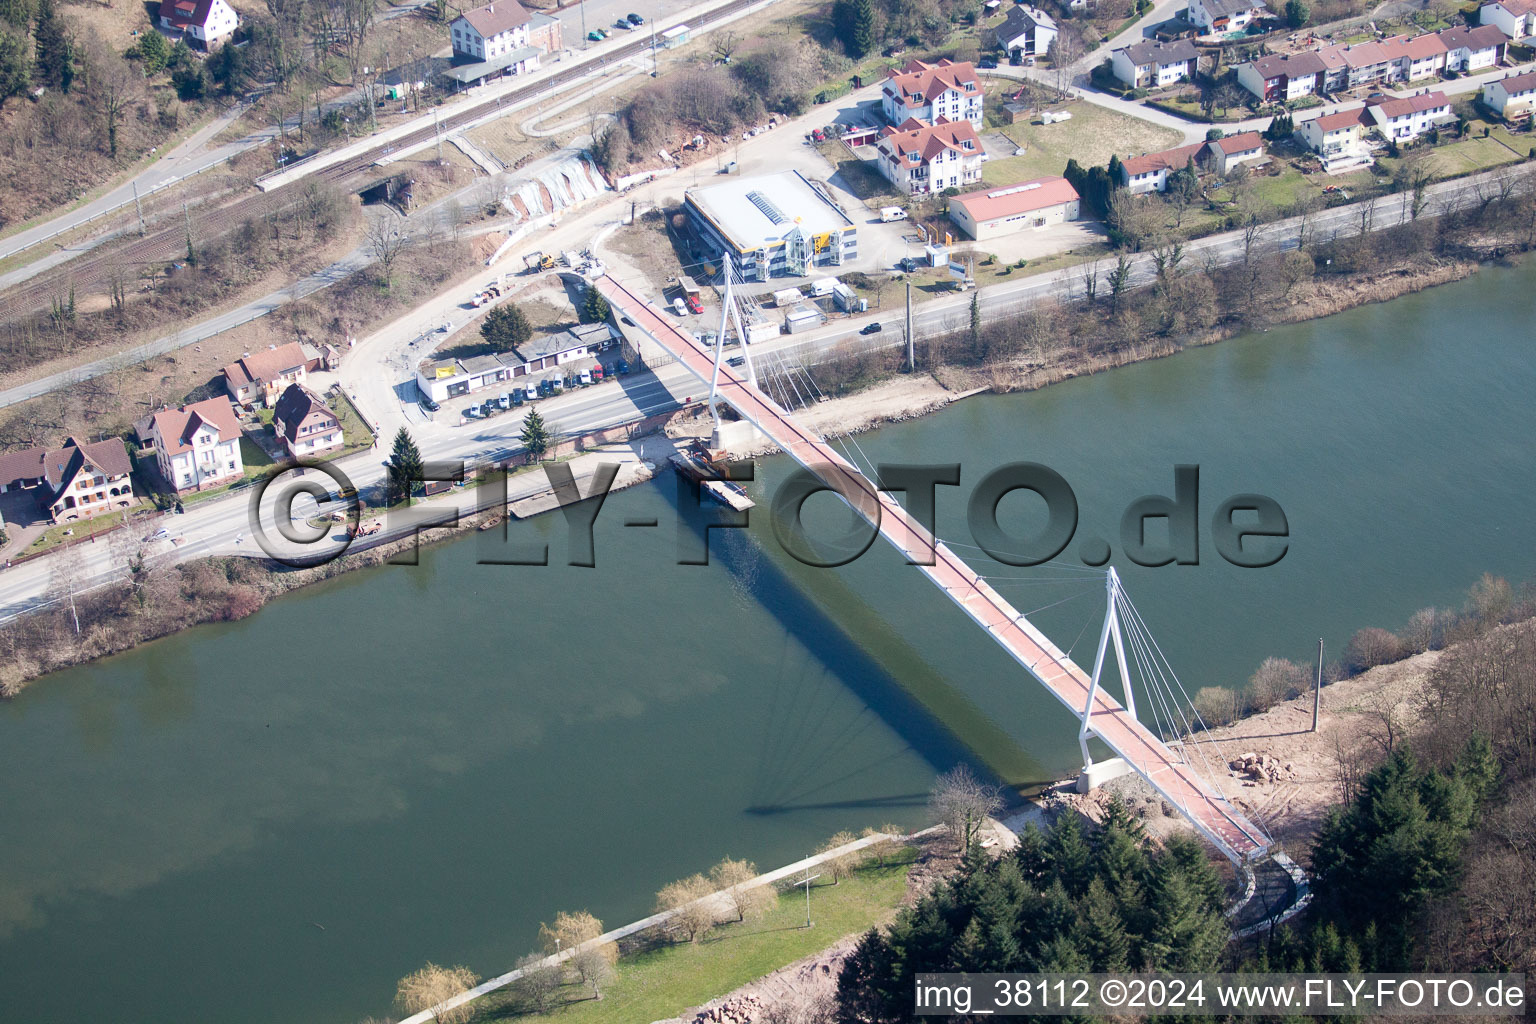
(891, 213)
(679, 308)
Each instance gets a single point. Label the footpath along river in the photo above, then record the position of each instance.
(274, 819)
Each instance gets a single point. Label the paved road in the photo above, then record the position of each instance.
(223, 526)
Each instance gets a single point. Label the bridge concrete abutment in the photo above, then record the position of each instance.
(1100, 772)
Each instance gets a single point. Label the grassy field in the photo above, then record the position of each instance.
(1092, 136)
(663, 982)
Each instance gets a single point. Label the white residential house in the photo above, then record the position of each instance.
(1026, 32)
(1336, 138)
(1227, 152)
(490, 31)
(928, 92)
(1512, 97)
(1218, 17)
(920, 158)
(198, 445)
(204, 24)
(1515, 18)
(1404, 118)
(1152, 65)
(1149, 172)
(1411, 58)
(1276, 79)
(1473, 49)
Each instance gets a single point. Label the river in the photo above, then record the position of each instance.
(274, 819)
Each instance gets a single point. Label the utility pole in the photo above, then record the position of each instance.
(806, 881)
(911, 351)
(584, 39)
(654, 67)
(138, 208)
(1317, 691)
(437, 130)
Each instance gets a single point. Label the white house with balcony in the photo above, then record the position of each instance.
(921, 158)
(197, 446)
(1512, 97)
(1405, 118)
(1219, 17)
(929, 92)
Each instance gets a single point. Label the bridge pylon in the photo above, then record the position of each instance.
(1095, 774)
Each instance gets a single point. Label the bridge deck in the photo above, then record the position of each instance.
(1213, 815)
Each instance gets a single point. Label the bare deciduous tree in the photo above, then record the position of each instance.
(430, 989)
(692, 904)
(539, 981)
(732, 878)
(385, 243)
(962, 803)
(842, 865)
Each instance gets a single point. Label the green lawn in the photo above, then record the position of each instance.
(1092, 136)
(662, 982)
(1473, 153)
(357, 435)
(55, 535)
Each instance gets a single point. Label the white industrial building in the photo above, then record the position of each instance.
(1029, 204)
(771, 224)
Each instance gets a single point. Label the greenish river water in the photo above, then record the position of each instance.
(272, 820)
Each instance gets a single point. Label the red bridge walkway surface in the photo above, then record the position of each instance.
(1213, 815)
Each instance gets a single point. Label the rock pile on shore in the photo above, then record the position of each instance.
(1262, 768)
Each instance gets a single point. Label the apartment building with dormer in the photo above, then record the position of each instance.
(929, 92)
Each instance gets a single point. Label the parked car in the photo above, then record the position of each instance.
(679, 308)
(530, 393)
(597, 371)
(635, 19)
(873, 328)
(626, 26)
(694, 305)
(428, 404)
(817, 135)
(472, 412)
(584, 378)
(159, 534)
(737, 360)
(517, 398)
(987, 63)
(597, 35)
(621, 367)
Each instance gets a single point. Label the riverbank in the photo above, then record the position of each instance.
(223, 589)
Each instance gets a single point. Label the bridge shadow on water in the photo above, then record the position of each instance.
(809, 736)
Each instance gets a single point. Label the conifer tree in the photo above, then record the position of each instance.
(535, 435)
(55, 50)
(405, 467)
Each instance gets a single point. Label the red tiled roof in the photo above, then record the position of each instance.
(1397, 106)
(1414, 47)
(1036, 194)
(1168, 159)
(266, 364)
(932, 80)
(1230, 144)
(296, 404)
(496, 18)
(185, 12)
(1341, 119)
(1517, 83)
(175, 427)
(1294, 65)
(928, 140)
(59, 466)
(1480, 37)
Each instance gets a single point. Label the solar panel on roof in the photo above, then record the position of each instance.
(767, 207)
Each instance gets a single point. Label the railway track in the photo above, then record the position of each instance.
(89, 272)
